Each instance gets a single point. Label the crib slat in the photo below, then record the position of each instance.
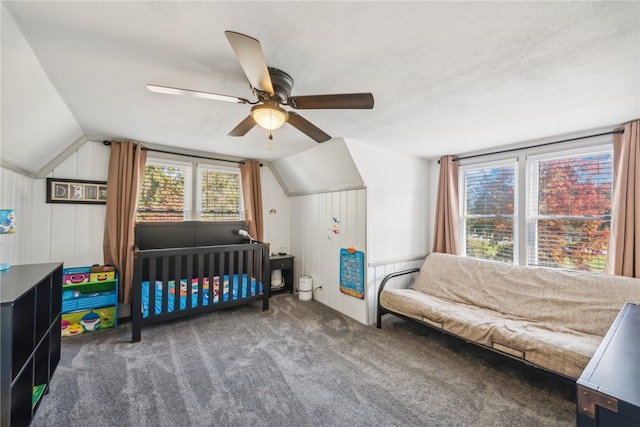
(189, 275)
(151, 308)
(200, 279)
(252, 270)
(230, 275)
(177, 282)
(221, 274)
(165, 284)
(250, 263)
(211, 276)
(239, 275)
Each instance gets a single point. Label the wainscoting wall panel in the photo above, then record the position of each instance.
(324, 223)
(379, 270)
(15, 193)
(76, 230)
(56, 232)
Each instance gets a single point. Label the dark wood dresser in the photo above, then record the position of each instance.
(609, 387)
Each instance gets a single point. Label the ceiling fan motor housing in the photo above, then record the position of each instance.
(282, 84)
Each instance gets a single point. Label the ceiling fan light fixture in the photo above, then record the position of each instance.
(269, 116)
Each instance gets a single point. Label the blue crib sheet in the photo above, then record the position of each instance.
(194, 292)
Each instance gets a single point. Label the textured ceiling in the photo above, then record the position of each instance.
(447, 77)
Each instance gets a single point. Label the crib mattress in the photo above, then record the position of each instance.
(247, 288)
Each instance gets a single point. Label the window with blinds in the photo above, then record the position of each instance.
(220, 195)
(488, 211)
(167, 192)
(569, 205)
(566, 214)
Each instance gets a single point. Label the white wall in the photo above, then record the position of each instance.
(316, 240)
(434, 174)
(276, 212)
(387, 220)
(16, 193)
(398, 201)
(48, 232)
(398, 224)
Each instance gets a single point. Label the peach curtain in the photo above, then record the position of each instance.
(252, 195)
(126, 171)
(447, 222)
(623, 256)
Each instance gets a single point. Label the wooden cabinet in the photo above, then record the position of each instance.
(31, 303)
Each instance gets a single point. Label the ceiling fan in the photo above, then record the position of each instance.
(272, 88)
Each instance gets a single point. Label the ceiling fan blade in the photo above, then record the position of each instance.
(251, 58)
(306, 127)
(196, 94)
(337, 101)
(243, 127)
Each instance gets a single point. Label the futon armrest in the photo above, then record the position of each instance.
(390, 276)
(386, 279)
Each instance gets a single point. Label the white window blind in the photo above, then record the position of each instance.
(569, 208)
(165, 193)
(488, 211)
(220, 195)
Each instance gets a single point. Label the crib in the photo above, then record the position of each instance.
(175, 275)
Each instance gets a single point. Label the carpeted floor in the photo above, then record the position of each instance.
(299, 364)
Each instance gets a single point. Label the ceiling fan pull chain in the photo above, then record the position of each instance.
(269, 144)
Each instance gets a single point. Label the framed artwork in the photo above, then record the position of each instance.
(76, 191)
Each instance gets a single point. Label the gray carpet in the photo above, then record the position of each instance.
(300, 364)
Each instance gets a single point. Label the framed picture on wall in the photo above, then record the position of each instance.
(76, 191)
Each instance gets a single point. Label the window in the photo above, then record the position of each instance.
(488, 211)
(565, 220)
(167, 192)
(220, 196)
(569, 211)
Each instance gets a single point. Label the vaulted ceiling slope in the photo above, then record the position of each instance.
(447, 77)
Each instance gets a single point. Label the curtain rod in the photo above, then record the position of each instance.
(240, 162)
(620, 131)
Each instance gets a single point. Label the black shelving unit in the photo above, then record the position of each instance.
(30, 315)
